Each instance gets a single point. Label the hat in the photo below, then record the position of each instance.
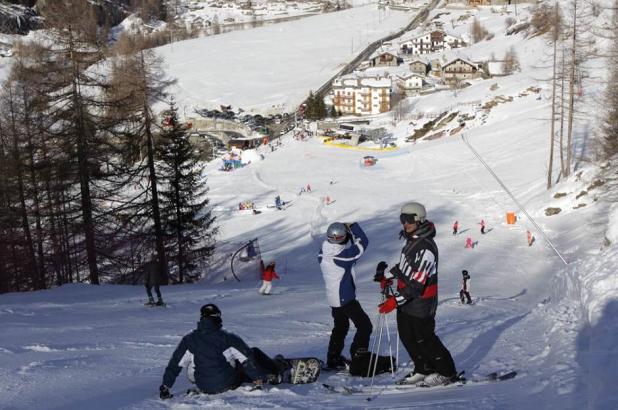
(415, 210)
(210, 310)
(464, 272)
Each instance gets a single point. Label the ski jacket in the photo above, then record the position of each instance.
(417, 273)
(215, 353)
(465, 284)
(269, 274)
(337, 263)
(152, 274)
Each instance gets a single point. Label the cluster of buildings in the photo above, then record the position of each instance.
(362, 93)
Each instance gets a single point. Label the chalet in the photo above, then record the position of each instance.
(458, 70)
(435, 67)
(385, 59)
(431, 42)
(410, 83)
(362, 95)
(419, 67)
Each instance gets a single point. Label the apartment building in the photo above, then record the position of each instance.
(355, 95)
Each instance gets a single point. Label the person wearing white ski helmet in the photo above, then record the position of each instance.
(416, 298)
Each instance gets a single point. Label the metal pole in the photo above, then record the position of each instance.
(379, 320)
(390, 346)
(375, 364)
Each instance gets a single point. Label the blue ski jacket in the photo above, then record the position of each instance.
(215, 354)
(337, 263)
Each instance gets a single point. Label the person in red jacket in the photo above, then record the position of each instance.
(268, 274)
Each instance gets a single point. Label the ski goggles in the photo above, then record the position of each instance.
(407, 219)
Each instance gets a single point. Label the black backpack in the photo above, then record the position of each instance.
(363, 363)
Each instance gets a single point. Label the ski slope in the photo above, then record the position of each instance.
(82, 346)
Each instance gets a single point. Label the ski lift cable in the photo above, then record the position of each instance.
(521, 207)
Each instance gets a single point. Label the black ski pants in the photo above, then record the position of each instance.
(465, 294)
(424, 347)
(149, 291)
(342, 317)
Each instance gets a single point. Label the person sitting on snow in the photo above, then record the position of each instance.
(218, 361)
(268, 274)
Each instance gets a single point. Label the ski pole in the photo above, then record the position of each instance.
(373, 346)
(390, 348)
(375, 363)
(390, 287)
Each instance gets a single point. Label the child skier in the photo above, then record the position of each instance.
(268, 274)
(530, 238)
(469, 243)
(455, 227)
(465, 287)
(482, 223)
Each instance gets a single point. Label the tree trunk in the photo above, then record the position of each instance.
(571, 93)
(553, 114)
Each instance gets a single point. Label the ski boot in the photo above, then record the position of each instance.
(150, 302)
(160, 302)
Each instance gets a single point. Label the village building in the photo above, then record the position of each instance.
(431, 42)
(458, 70)
(385, 59)
(410, 84)
(419, 67)
(354, 95)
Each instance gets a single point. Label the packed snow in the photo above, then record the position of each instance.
(82, 346)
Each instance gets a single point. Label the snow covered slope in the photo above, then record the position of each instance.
(272, 68)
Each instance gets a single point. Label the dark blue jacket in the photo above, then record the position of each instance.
(213, 351)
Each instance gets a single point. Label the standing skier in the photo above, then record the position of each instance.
(455, 227)
(530, 238)
(482, 223)
(465, 287)
(152, 278)
(268, 274)
(416, 299)
(343, 246)
(219, 361)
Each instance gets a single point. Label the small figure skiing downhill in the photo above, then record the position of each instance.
(482, 223)
(268, 274)
(153, 278)
(464, 293)
(455, 227)
(469, 243)
(530, 238)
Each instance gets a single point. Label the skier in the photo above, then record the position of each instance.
(469, 243)
(455, 227)
(268, 274)
(308, 188)
(530, 238)
(482, 223)
(219, 361)
(416, 299)
(278, 202)
(343, 246)
(152, 278)
(465, 287)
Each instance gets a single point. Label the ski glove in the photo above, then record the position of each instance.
(388, 305)
(164, 392)
(380, 271)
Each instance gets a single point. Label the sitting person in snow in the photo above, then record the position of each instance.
(268, 274)
(343, 246)
(218, 361)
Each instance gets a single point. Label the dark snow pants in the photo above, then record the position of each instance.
(424, 347)
(342, 316)
(464, 294)
(149, 291)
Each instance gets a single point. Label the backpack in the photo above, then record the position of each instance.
(361, 365)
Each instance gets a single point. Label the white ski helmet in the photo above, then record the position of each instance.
(416, 210)
(336, 233)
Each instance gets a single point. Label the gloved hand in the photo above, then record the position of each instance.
(388, 305)
(164, 392)
(395, 271)
(379, 276)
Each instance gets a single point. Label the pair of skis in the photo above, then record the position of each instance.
(400, 385)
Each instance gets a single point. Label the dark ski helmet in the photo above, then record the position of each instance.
(210, 310)
(413, 212)
(337, 233)
(464, 272)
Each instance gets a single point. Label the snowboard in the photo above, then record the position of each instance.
(304, 369)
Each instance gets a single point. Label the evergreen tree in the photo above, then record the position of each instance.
(187, 222)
